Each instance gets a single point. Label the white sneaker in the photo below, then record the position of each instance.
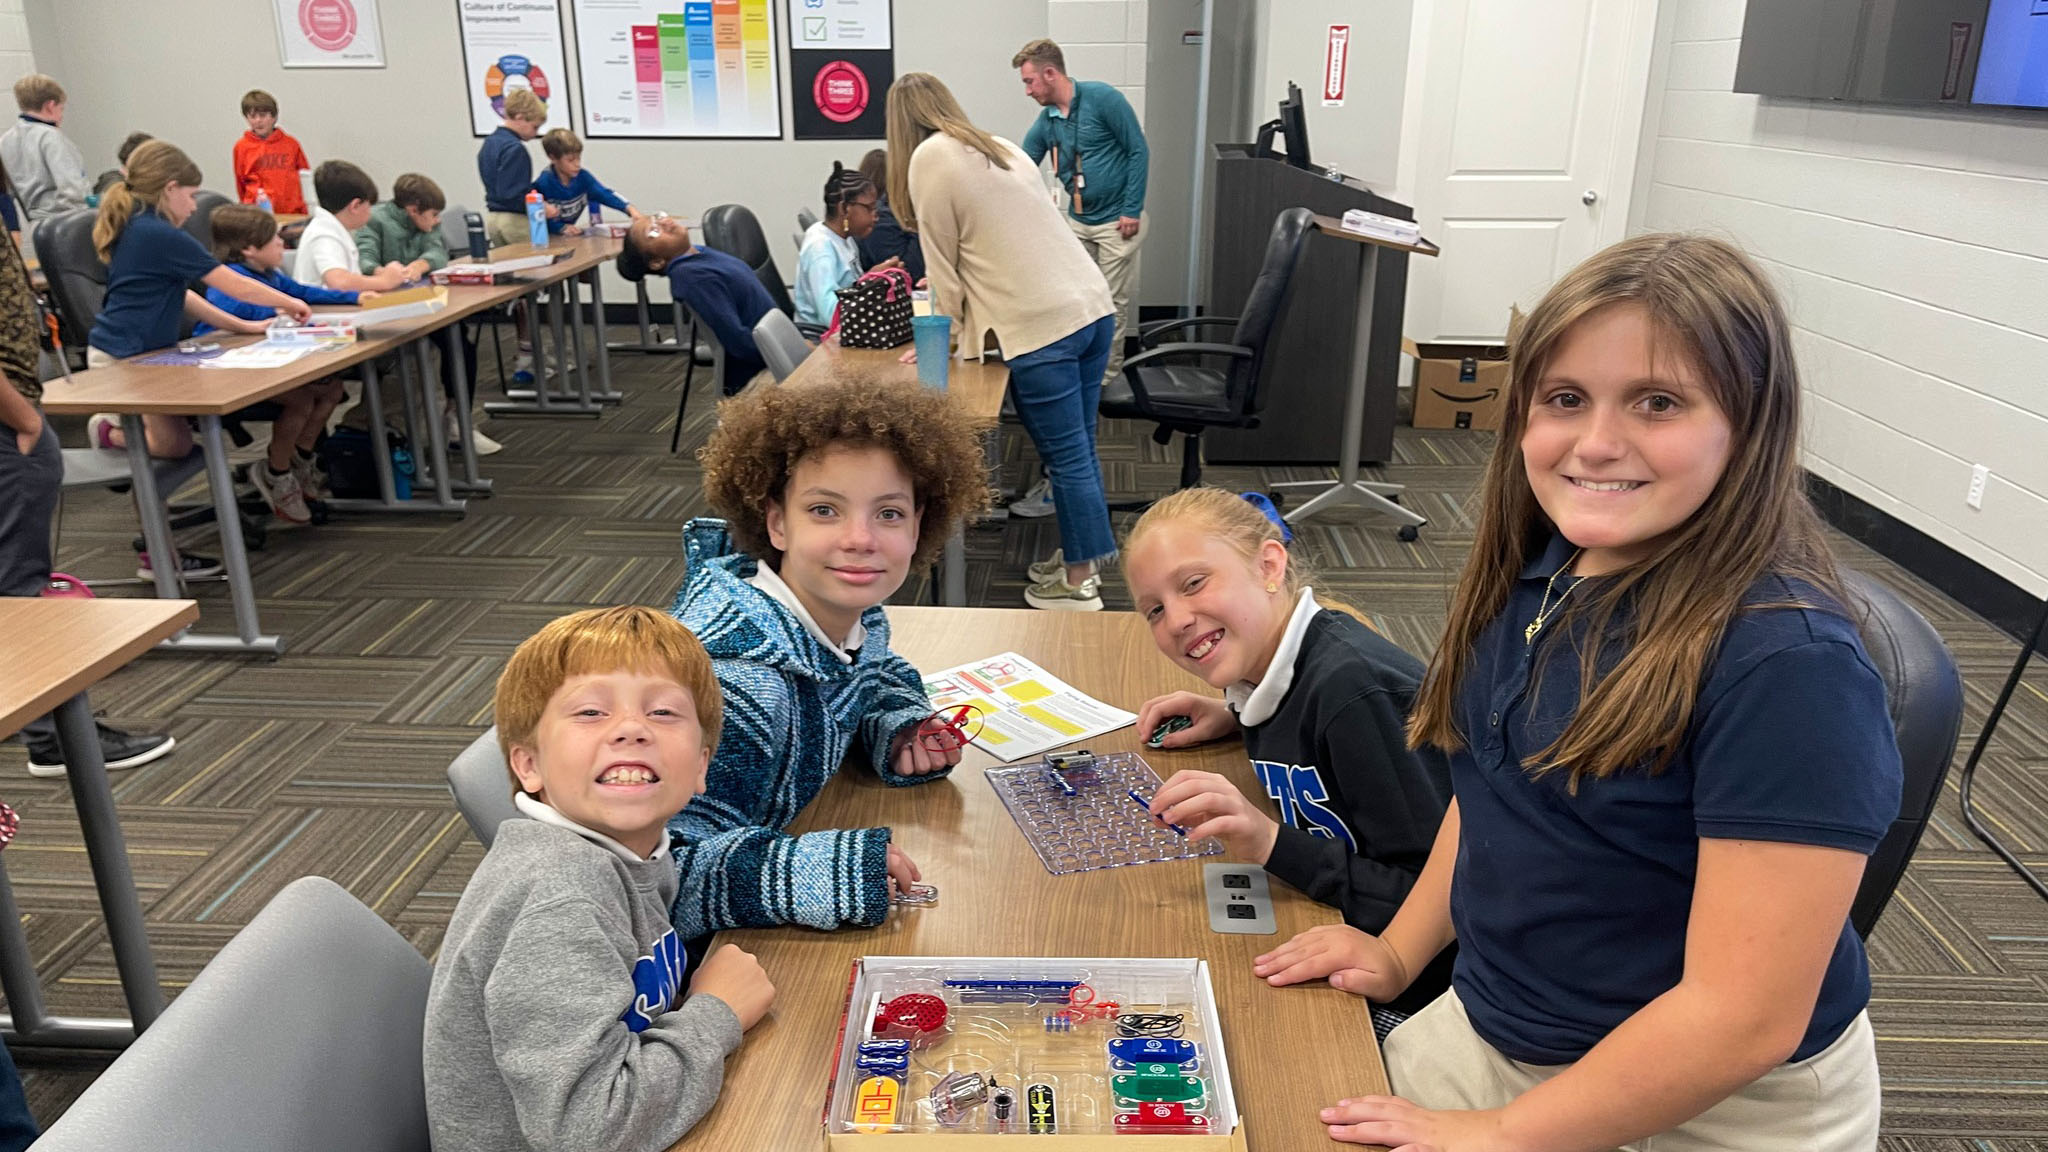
(286, 495)
(482, 445)
(1056, 595)
(1051, 569)
(1037, 502)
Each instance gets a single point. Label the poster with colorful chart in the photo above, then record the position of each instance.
(678, 68)
(508, 44)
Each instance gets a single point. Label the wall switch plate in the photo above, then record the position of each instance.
(1240, 900)
(1978, 476)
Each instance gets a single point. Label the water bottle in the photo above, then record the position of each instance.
(263, 199)
(479, 244)
(536, 221)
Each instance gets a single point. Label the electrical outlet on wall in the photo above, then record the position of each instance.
(1978, 476)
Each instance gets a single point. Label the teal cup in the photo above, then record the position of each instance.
(934, 336)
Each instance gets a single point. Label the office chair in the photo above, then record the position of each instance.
(733, 230)
(804, 219)
(482, 786)
(220, 1070)
(199, 225)
(781, 345)
(700, 335)
(1924, 694)
(1174, 385)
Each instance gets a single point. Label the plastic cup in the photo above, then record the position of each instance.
(934, 336)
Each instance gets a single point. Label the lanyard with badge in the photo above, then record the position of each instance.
(1080, 182)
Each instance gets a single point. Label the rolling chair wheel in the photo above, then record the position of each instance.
(1408, 533)
(1278, 498)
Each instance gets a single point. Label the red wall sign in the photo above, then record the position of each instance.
(1334, 60)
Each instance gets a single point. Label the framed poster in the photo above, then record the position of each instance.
(841, 62)
(509, 44)
(678, 69)
(329, 34)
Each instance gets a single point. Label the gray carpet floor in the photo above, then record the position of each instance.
(331, 759)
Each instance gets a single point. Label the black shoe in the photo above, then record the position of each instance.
(191, 566)
(121, 750)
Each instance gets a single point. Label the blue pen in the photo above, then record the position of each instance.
(1140, 802)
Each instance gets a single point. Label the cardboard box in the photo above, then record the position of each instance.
(1459, 385)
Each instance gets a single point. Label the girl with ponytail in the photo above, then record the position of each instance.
(830, 258)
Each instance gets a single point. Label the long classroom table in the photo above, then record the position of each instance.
(1292, 1051)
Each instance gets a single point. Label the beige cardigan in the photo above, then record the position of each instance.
(1000, 258)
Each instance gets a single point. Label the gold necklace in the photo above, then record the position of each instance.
(1544, 609)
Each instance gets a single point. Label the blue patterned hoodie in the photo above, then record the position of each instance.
(792, 710)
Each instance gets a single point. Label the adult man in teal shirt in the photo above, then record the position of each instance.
(1100, 157)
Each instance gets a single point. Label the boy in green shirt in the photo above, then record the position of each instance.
(406, 229)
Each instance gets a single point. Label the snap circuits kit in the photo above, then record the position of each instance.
(965, 1050)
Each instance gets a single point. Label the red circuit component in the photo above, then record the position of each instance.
(914, 1015)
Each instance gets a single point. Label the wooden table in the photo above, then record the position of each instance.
(51, 652)
(976, 385)
(1292, 1050)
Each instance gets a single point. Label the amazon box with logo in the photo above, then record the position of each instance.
(1459, 385)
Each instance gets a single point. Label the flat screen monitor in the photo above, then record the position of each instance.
(1959, 53)
(1291, 127)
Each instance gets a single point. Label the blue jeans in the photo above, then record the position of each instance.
(1057, 388)
(17, 1127)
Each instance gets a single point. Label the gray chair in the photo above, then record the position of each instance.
(483, 787)
(199, 225)
(804, 219)
(454, 232)
(1924, 694)
(781, 345)
(700, 336)
(303, 1033)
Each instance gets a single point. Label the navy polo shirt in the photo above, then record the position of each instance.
(154, 262)
(1571, 910)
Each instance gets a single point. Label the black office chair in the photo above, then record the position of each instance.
(1924, 694)
(200, 223)
(733, 230)
(1174, 384)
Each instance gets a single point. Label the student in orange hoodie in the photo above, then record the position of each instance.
(267, 158)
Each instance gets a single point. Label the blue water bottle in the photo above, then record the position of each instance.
(536, 221)
(263, 199)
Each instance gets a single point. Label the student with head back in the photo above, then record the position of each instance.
(1670, 756)
(48, 170)
(267, 159)
(569, 189)
(1320, 698)
(887, 238)
(245, 238)
(830, 257)
(720, 289)
(150, 263)
(833, 492)
(1008, 271)
(507, 171)
(327, 253)
(564, 1013)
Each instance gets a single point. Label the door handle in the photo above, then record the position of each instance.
(1591, 196)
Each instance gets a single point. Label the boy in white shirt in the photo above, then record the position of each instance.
(327, 248)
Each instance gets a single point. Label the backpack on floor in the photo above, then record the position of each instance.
(349, 458)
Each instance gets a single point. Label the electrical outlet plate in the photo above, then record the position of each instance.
(1240, 900)
(1979, 476)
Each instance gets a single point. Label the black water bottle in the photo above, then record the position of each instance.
(479, 246)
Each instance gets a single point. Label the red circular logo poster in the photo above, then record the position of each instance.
(840, 91)
(328, 24)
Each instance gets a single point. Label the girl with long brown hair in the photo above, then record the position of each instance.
(1670, 756)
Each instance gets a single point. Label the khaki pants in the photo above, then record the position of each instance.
(503, 228)
(1825, 1103)
(1118, 259)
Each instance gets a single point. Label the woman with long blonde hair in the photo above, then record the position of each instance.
(1670, 756)
(1009, 271)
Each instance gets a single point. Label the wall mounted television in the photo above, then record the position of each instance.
(1953, 53)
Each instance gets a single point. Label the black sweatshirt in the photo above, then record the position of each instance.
(1359, 809)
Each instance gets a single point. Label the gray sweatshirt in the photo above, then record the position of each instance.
(47, 169)
(556, 1018)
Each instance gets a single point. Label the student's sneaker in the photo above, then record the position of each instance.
(312, 477)
(99, 431)
(522, 370)
(285, 492)
(1037, 502)
(482, 444)
(191, 566)
(120, 749)
(1051, 569)
(1056, 595)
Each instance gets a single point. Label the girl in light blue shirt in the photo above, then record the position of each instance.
(829, 259)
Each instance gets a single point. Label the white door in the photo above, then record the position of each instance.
(1529, 122)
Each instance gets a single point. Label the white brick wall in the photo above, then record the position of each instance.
(17, 59)
(1912, 246)
(1103, 40)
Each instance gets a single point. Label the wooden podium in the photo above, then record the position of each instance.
(1311, 355)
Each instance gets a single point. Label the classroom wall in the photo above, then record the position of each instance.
(17, 57)
(1363, 137)
(1912, 245)
(179, 71)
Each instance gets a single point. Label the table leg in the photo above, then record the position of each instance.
(149, 508)
(1349, 489)
(605, 393)
(241, 587)
(105, 848)
(458, 370)
(953, 571)
(437, 441)
(27, 1023)
(539, 401)
(380, 444)
(407, 396)
(575, 307)
(380, 448)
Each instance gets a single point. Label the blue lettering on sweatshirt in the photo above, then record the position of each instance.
(657, 982)
(1300, 794)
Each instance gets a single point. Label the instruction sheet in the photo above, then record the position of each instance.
(1025, 710)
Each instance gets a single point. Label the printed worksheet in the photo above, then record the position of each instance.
(1021, 709)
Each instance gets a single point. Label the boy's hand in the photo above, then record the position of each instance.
(736, 978)
(254, 327)
(571, 230)
(891, 262)
(1360, 964)
(1212, 720)
(916, 757)
(1208, 805)
(367, 295)
(417, 269)
(635, 214)
(550, 210)
(296, 309)
(391, 275)
(31, 431)
(902, 870)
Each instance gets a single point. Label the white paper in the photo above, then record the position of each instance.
(366, 317)
(329, 34)
(509, 44)
(263, 354)
(659, 68)
(1025, 710)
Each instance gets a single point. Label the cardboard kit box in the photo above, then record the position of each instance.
(1459, 385)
